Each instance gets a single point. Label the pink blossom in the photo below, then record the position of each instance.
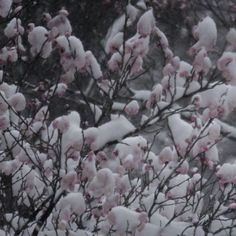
(113, 44)
(60, 22)
(137, 66)
(166, 155)
(38, 38)
(155, 96)
(8, 55)
(14, 28)
(202, 62)
(69, 180)
(103, 183)
(206, 34)
(115, 62)
(17, 101)
(146, 23)
(232, 205)
(89, 169)
(71, 203)
(132, 108)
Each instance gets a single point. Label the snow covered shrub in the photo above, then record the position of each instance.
(85, 151)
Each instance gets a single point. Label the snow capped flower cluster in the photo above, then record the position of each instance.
(10, 103)
(132, 51)
(146, 23)
(135, 49)
(171, 67)
(178, 74)
(122, 218)
(74, 58)
(131, 151)
(8, 55)
(113, 44)
(154, 97)
(227, 173)
(72, 51)
(40, 44)
(206, 34)
(226, 64)
(200, 139)
(14, 28)
(60, 25)
(57, 34)
(72, 203)
(217, 102)
(132, 108)
(202, 62)
(163, 42)
(102, 184)
(206, 145)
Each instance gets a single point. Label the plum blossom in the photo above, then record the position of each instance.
(226, 64)
(103, 183)
(146, 23)
(14, 28)
(113, 44)
(155, 96)
(115, 62)
(59, 22)
(72, 51)
(137, 146)
(89, 169)
(218, 102)
(177, 79)
(166, 155)
(171, 67)
(17, 101)
(121, 217)
(40, 44)
(72, 203)
(72, 138)
(69, 180)
(132, 108)
(8, 54)
(227, 173)
(202, 62)
(206, 34)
